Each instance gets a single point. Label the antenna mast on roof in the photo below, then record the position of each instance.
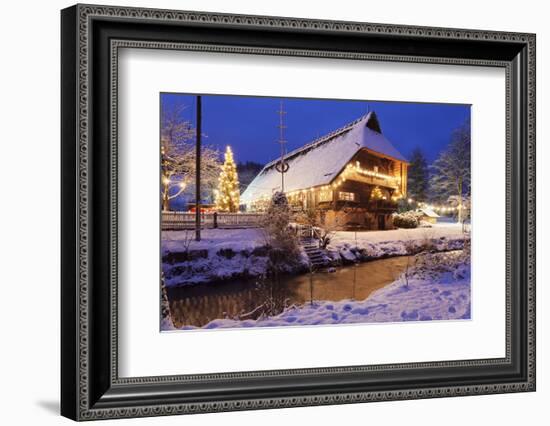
(282, 166)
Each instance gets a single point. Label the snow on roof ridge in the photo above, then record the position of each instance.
(318, 141)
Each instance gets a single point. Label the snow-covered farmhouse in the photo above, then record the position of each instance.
(350, 178)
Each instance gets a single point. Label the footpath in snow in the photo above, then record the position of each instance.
(225, 254)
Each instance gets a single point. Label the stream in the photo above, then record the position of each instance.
(198, 305)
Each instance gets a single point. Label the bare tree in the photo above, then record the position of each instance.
(463, 206)
(178, 165)
(451, 170)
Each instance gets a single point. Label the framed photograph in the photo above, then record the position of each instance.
(263, 212)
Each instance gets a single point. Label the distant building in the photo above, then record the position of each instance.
(428, 215)
(351, 177)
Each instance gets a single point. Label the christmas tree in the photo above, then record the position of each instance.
(227, 196)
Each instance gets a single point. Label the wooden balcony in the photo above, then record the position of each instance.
(376, 181)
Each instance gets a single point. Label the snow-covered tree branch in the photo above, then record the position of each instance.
(178, 157)
(451, 171)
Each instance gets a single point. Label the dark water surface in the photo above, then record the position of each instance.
(197, 305)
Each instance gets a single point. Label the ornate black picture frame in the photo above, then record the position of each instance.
(91, 386)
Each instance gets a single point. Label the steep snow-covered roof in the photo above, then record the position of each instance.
(320, 161)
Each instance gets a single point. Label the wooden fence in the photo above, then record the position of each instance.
(185, 220)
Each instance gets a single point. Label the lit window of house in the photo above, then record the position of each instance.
(325, 195)
(346, 196)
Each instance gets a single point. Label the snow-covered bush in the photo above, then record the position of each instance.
(279, 199)
(408, 219)
(432, 264)
(282, 241)
(403, 205)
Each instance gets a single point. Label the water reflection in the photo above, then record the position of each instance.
(200, 304)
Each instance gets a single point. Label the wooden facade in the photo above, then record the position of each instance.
(355, 203)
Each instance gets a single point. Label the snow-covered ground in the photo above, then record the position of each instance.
(368, 245)
(224, 254)
(213, 240)
(438, 230)
(248, 239)
(441, 292)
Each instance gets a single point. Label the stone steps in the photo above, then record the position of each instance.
(315, 254)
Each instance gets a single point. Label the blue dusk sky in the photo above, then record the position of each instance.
(249, 124)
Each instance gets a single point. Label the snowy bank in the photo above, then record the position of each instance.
(440, 295)
(225, 254)
(346, 246)
(222, 254)
(449, 230)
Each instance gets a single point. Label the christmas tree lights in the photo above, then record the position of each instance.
(227, 195)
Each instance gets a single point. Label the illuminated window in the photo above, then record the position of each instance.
(325, 195)
(346, 196)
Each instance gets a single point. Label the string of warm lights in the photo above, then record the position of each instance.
(305, 191)
(438, 208)
(371, 173)
(349, 170)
